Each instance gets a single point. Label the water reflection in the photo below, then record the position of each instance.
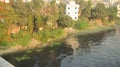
(47, 57)
(96, 50)
(90, 40)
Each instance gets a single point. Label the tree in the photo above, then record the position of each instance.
(112, 11)
(82, 4)
(37, 4)
(99, 12)
(52, 3)
(86, 12)
(62, 9)
(7, 13)
(64, 21)
(81, 24)
(23, 12)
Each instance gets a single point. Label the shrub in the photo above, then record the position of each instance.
(3, 43)
(64, 21)
(6, 44)
(23, 38)
(99, 12)
(22, 58)
(81, 24)
(56, 33)
(43, 36)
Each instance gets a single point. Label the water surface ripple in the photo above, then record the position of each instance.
(101, 50)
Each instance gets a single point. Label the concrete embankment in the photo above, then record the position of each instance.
(4, 63)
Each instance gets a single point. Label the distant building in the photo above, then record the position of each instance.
(57, 1)
(112, 1)
(109, 3)
(47, 1)
(26, 0)
(6, 1)
(72, 10)
(62, 1)
(118, 12)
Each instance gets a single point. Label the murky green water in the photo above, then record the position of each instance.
(95, 50)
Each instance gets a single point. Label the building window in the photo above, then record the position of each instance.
(75, 17)
(75, 7)
(68, 8)
(75, 12)
(68, 13)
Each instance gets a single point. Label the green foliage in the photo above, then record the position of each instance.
(53, 3)
(46, 16)
(56, 33)
(112, 13)
(62, 9)
(55, 44)
(82, 3)
(81, 24)
(8, 13)
(23, 38)
(4, 43)
(86, 12)
(3, 32)
(37, 4)
(4, 37)
(64, 21)
(99, 12)
(45, 35)
(22, 58)
(23, 11)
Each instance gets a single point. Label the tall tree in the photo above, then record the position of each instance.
(112, 13)
(22, 11)
(82, 4)
(86, 12)
(99, 12)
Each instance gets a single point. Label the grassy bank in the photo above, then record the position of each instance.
(64, 33)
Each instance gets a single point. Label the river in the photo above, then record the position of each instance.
(101, 49)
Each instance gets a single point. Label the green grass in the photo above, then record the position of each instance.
(81, 24)
(23, 38)
(22, 58)
(4, 43)
(44, 35)
(55, 44)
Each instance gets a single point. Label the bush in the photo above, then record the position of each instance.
(99, 12)
(56, 32)
(81, 24)
(112, 11)
(43, 36)
(22, 58)
(6, 44)
(23, 38)
(64, 21)
(3, 43)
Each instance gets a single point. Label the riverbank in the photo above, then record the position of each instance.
(67, 32)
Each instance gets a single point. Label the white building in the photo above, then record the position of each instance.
(57, 1)
(118, 12)
(26, 0)
(72, 10)
(47, 1)
(6, 1)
